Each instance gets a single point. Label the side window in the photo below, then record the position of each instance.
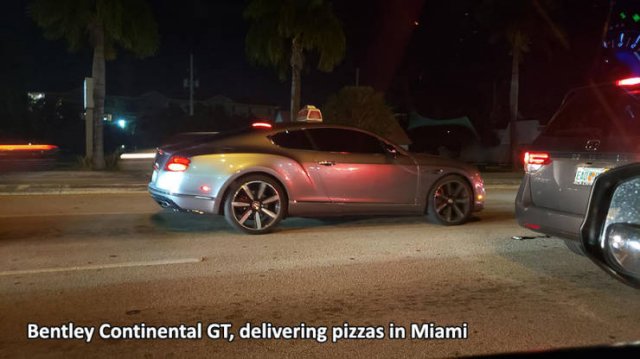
(342, 140)
(296, 139)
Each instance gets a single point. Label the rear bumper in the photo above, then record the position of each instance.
(543, 220)
(181, 202)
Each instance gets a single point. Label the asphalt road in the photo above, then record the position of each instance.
(93, 259)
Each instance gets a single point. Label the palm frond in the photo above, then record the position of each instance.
(129, 24)
(63, 19)
(275, 23)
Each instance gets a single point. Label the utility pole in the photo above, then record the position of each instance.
(191, 83)
(88, 116)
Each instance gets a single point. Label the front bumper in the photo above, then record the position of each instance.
(479, 192)
(181, 202)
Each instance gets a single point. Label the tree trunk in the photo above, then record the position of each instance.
(98, 74)
(296, 67)
(513, 106)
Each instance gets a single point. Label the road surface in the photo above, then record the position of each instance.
(94, 259)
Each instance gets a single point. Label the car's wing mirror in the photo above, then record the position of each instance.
(611, 229)
(391, 150)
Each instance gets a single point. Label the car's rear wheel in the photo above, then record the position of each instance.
(450, 201)
(255, 204)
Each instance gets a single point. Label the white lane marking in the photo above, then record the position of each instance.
(103, 266)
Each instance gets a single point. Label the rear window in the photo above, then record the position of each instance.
(596, 112)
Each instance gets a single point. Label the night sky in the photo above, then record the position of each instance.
(440, 61)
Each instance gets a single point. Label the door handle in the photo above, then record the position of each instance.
(326, 163)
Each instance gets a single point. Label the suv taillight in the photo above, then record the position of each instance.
(177, 164)
(630, 81)
(533, 161)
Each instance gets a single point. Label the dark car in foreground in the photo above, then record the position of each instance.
(611, 231)
(596, 129)
(257, 176)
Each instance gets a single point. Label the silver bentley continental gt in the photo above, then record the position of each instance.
(257, 176)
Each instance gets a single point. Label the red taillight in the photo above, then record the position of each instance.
(631, 81)
(261, 125)
(533, 161)
(27, 147)
(535, 227)
(536, 158)
(177, 164)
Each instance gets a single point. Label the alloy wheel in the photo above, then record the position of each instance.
(452, 201)
(256, 205)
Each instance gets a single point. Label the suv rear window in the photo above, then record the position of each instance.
(596, 112)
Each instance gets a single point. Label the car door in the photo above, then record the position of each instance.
(356, 168)
(297, 145)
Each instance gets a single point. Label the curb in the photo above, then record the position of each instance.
(72, 192)
(21, 190)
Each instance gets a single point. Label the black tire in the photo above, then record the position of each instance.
(574, 246)
(450, 201)
(255, 204)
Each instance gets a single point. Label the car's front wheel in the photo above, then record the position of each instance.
(255, 204)
(450, 201)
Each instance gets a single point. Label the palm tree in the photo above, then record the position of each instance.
(103, 25)
(283, 31)
(520, 24)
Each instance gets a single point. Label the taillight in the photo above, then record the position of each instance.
(533, 226)
(536, 158)
(177, 164)
(266, 125)
(631, 81)
(533, 161)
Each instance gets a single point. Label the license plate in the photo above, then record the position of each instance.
(586, 175)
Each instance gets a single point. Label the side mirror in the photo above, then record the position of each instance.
(611, 229)
(391, 150)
